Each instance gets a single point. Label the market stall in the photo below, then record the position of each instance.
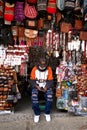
(57, 29)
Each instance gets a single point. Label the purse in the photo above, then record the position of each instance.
(78, 24)
(65, 27)
(30, 11)
(19, 11)
(83, 35)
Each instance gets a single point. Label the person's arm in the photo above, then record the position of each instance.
(49, 82)
(32, 77)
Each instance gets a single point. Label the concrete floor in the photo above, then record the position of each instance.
(22, 119)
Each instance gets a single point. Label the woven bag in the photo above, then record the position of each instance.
(30, 11)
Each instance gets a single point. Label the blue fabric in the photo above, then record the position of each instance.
(35, 101)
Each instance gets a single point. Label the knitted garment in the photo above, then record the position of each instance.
(51, 7)
(9, 12)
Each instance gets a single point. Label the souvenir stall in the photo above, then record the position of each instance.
(55, 28)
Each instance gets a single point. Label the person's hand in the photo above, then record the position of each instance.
(38, 87)
(44, 89)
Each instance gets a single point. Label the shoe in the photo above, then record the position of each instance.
(48, 117)
(36, 118)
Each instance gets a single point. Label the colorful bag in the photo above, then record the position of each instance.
(9, 12)
(30, 11)
(19, 11)
(41, 5)
(51, 7)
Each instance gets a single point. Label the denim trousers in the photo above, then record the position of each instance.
(48, 95)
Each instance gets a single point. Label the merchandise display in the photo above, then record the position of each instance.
(54, 28)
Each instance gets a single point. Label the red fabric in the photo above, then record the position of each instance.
(32, 1)
(51, 7)
(9, 13)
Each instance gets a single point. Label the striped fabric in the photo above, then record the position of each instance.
(30, 11)
(70, 4)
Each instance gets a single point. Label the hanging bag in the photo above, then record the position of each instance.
(78, 24)
(30, 11)
(9, 12)
(51, 7)
(83, 35)
(70, 4)
(19, 11)
(65, 27)
(60, 4)
(41, 5)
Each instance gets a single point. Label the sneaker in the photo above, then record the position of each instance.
(36, 118)
(48, 117)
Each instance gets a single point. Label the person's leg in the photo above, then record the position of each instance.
(35, 102)
(49, 100)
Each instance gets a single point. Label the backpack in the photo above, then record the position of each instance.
(60, 4)
(19, 11)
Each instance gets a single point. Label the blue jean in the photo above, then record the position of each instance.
(35, 101)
